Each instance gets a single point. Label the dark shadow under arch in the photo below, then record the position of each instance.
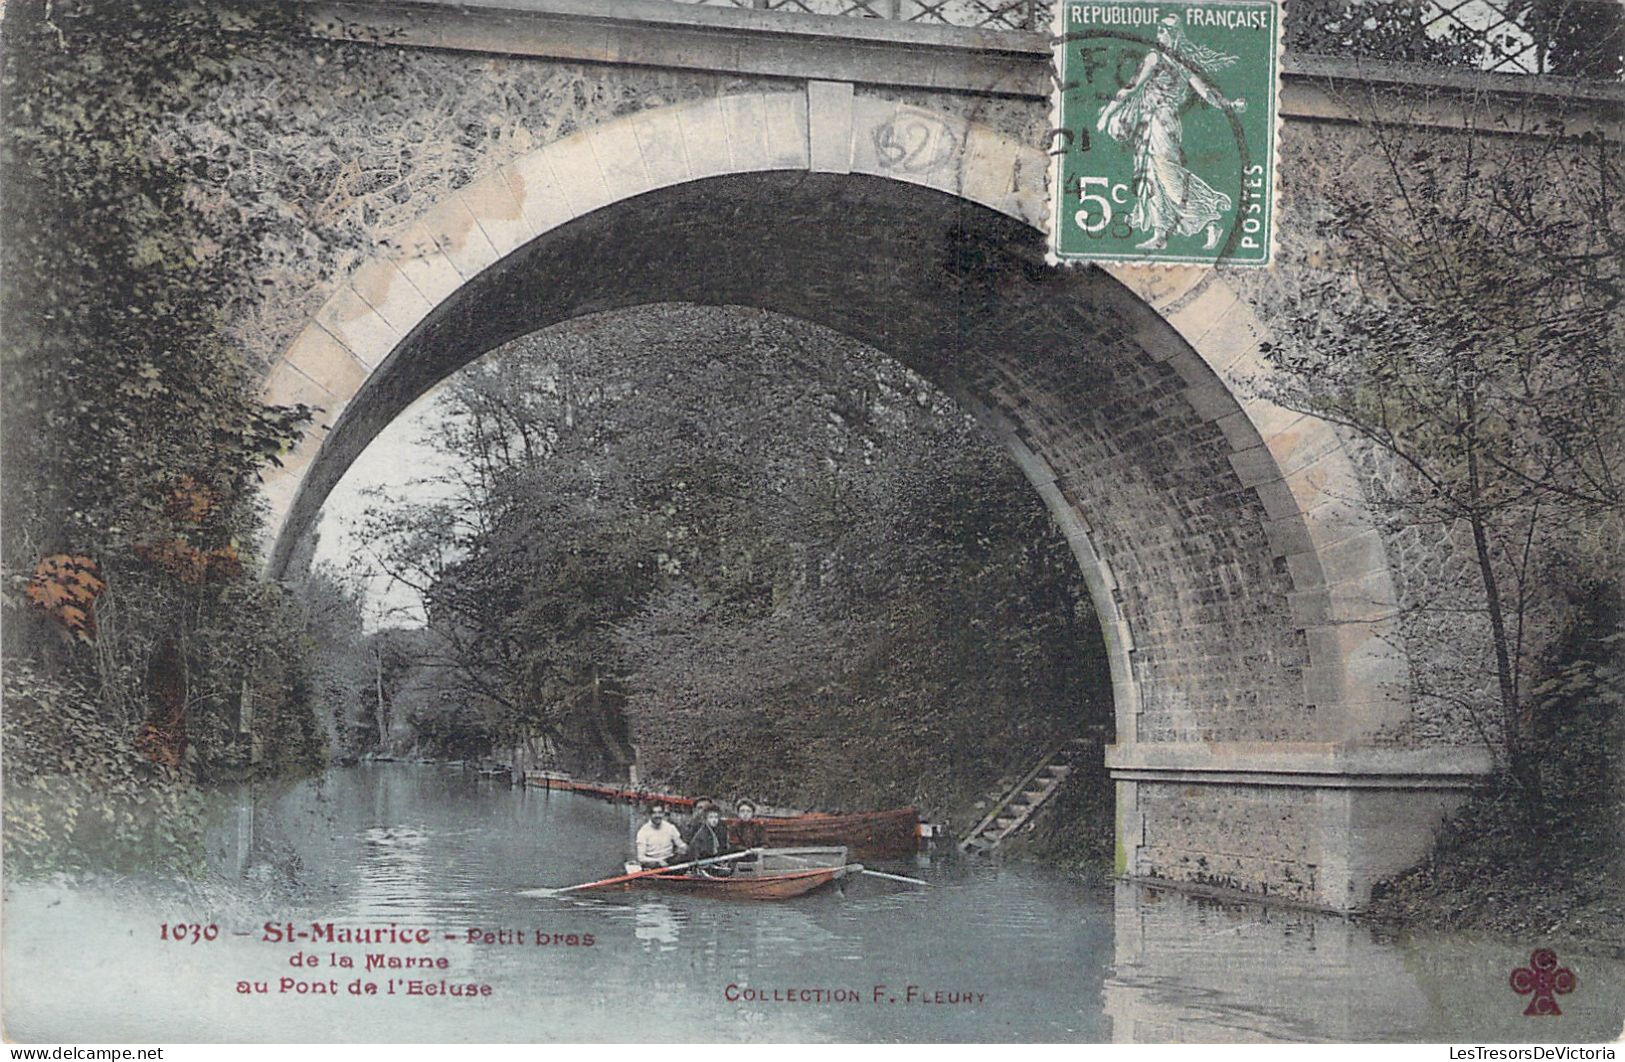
(1193, 597)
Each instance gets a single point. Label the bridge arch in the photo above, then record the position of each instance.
(1243, 591)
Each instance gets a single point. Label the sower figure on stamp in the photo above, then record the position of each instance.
(1145, 115)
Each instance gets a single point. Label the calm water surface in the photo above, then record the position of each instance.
(1016, 952)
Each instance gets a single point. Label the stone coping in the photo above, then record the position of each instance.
(682, 14)
(1311, 764)
(719, 40)
(664, 33)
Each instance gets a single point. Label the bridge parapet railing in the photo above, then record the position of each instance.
(1573, 38)
(1004, 15)
(1577, 38)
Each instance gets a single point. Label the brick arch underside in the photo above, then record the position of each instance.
(1189, 570)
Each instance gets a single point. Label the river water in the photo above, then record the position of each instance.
(989, 952)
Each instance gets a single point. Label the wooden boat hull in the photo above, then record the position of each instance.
(747, 887)
(890, 832)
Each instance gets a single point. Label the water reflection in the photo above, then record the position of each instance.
(655, 925)
(394, 881)
(1188, 969)
(1039, 954)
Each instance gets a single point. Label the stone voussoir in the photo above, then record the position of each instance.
(326, 362)
(387, 290)
(359, 328)
(500, 216)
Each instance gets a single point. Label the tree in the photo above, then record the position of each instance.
(1480, 360)
(526, 553)
(329, 615)
(1394, 30)
(1574, 38)
(133, 434)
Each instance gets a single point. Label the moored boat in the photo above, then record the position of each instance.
(890, 832)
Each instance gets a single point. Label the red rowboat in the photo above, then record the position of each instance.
(751, 887)
(777, 874)
(873, 833)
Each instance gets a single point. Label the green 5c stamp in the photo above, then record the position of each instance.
(1165, 138)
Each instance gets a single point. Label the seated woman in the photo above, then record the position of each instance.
(747, 830)
(747, 834)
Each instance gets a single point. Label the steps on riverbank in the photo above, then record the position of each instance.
(1013, 808)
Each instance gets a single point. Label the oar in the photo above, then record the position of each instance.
(894, 877)
(872, 873)
(641, 874)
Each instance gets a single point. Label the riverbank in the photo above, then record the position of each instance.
(1546, 867)
(1549, 871)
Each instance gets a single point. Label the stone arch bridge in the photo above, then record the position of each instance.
(887, 180)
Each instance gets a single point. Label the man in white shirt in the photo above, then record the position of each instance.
(659, 842)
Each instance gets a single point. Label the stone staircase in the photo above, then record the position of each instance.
(1013, 808)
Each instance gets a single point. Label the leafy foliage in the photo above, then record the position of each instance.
(1573, 38)
(1480, 359)
(133, 435)
(78, 796)
(768, 558)
(1550, 866)
(1378, 29)
(66, 587)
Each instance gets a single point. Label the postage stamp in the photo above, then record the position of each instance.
(1165, 133)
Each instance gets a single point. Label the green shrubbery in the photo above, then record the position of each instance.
(78, 795)
(1550, 865)
(775, 561)
(135, 630)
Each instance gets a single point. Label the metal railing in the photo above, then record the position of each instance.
(1575, 38)
(1578, 38)
(1031, 16)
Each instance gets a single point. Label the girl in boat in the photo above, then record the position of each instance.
(709, 840)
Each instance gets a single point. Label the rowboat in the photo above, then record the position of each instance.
(873, 833)
(757, 874)
(754, 887)
(778, 874)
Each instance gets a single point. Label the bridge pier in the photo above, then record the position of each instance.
(1314, 824)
